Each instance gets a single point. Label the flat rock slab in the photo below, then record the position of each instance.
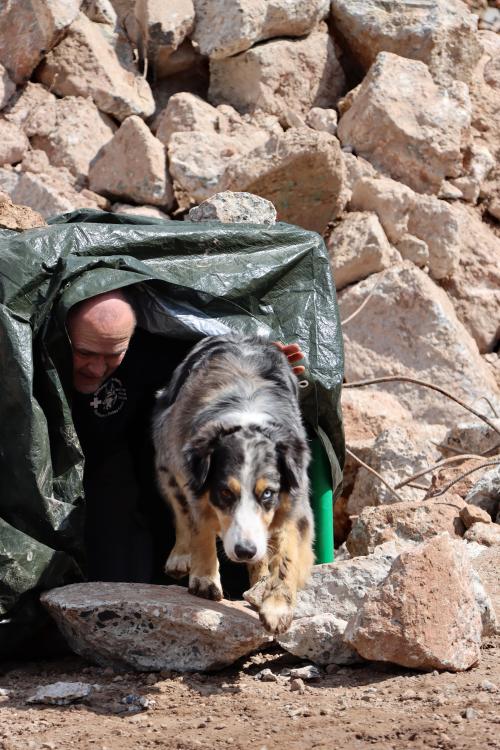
(151, 628)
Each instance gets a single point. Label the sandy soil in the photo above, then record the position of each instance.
(374, 705)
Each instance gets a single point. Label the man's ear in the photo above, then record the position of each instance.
(198, 456)
(293, 454)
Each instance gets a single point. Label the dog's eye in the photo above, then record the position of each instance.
(226, 494)
(267, 494)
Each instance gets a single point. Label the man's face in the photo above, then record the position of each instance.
(98, 350)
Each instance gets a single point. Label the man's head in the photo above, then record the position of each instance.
(100, 329)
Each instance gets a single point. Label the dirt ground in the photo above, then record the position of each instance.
(373, 705)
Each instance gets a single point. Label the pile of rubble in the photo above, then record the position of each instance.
(376, 125)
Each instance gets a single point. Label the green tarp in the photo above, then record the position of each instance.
(193, 280)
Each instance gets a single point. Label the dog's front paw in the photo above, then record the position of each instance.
(178, 565)
(276, 614)
(205, 587)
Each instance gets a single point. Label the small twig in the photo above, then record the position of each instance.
(462, 476)
(453, 449)
(439, 465)
(358, 310)
(419, 487)
(405, 379)
(485, 398)
(372, 471)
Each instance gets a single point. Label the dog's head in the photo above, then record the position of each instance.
(247, 473)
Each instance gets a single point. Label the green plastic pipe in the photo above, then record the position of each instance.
(322, 502)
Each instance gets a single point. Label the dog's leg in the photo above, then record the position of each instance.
(204, 579)
(258, 571)
(290, 565)
(179, 559)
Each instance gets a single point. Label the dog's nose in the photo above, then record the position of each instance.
(245, 551)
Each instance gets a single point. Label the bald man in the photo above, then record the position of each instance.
(117, 368)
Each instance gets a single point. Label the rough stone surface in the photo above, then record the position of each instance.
(404, 620)
(93, 60)
(358, 247)
(485, 493)
(13, 143)
(124, 208)
(320, 639)
(320, 118)
(186, 112)
(39, 27)
(409, 328)
(150, 628)
(162, 26)
(472, 437)
(100, 11)
(484, 533)
(232, 207)
(412, 522)
(7, 87)
(61, 693)
(300, 172)
(406, 126)
(441, 34)
(279, 75)
(133, 166)
(231, 26)
(413, 221)
(486, 564)
(471, 514)
(78, 133)
(18, 217)
(33, 110)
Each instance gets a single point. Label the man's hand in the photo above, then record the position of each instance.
(293, 354)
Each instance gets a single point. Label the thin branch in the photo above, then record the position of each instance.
(419, 487)
(485, 398)
(405, 379)
(453, 449)
(462, 476)
(358, 310)
(372, 471)
(439, 465)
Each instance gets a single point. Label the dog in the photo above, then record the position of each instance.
(231, 460)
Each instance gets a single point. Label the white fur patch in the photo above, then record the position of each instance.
(246, 528)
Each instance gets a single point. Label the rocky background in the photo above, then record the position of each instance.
(376, 124)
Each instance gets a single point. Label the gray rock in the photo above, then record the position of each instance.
(486, 492)
(151, 628)
(232, 208)
(320, 639)
(308, 672)
(61, 693)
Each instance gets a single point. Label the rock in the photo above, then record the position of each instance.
(19, 218)
(162, 29)
(358, 247)
(232, 26)
(278, 76)
(319, 638)
(78, 133)
(36, 161)
(472, 437)
(413, 522)
(484, 533)
(471, 514)
(421, 226)
(95, 61)
(388, 340)
(52, 192)
(485, 493)
(301, 172)
(100, 11)
(474, 286)
(151, 628)
(404, 621)
(486, 565)
(297, 685)
(34, 110)
(319, 118)
(309, 673)
(39, 27)
(13, 143)
(442, 35)
(396, 455)
(231, 207)
(9, 180)
(480, 164)
(266, 675)
(7, 87)
(186, 112)
(132, 166)
(406, 126)
(124, 208)
(61, 693)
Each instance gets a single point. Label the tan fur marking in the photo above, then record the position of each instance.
(234, 486)
(260, 485)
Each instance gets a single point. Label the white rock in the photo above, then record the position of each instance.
(472, 437)
(153, 211)
(320, 118)
(61, 693)
(278, 76)
(145, 627)
(484, 533)
(406, 126)
(100, 11)
(358, 247)
(320, 639)
(229, 207)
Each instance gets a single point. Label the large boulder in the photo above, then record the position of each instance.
(79, 131)
(406, 125)
(441, 34)
(300, 172)
(409, 328)
(33, 110)
(230, 26)
(132, 166)
(94, 60)
(151, 628)
(424, 615)
(29, 29)
(278, 76)
(162, 27)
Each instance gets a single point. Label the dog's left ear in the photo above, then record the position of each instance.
(292, 455)
(198, 456)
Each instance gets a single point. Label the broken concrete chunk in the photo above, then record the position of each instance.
(229, 207)
(61, 693)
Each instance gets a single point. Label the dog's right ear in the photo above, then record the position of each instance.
(198, 456)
